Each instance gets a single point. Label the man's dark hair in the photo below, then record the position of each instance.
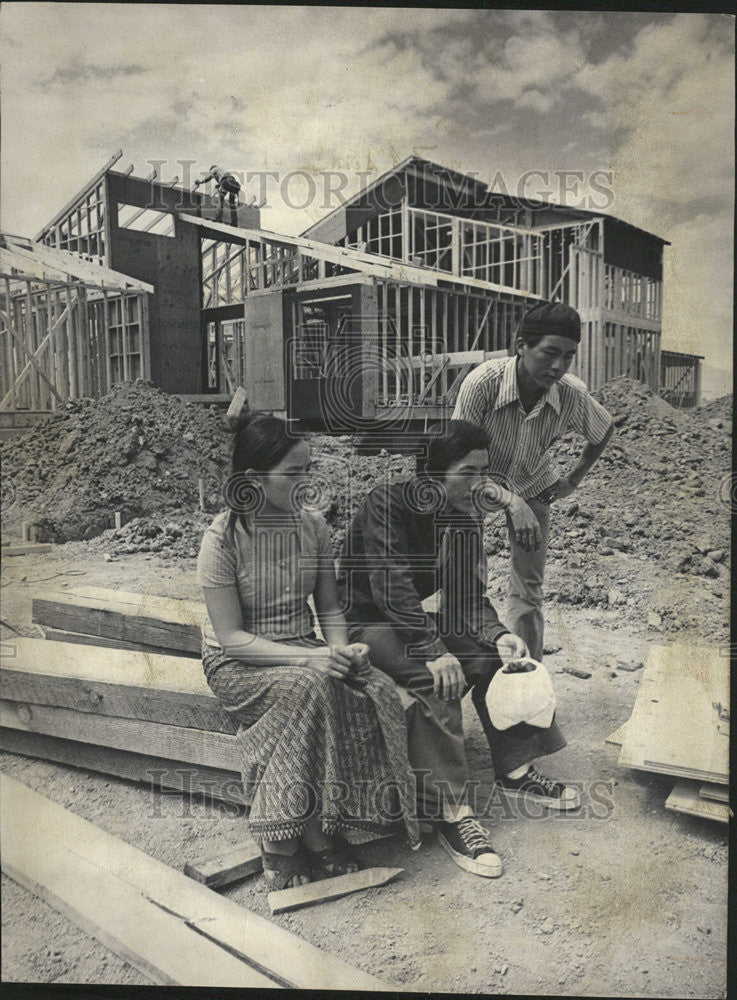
(449, 444)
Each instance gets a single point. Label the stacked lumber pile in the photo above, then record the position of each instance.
(121, 691)
(680, 726)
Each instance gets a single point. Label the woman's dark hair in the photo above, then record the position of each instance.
(260, 442)
(450, 443)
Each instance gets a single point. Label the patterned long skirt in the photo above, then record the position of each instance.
(314, 746)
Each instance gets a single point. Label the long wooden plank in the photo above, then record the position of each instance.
(26, 550)
(82, 639)
(112, 666)
(159, 772)
(676, 721)
(284, 900)
(685, 798)
(716, 792)
(266, 947)
(56, 868)
(227, 866)
(193, 746)
(175, 708)
(142, 618)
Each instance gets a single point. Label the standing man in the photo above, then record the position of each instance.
(226, 185)
(525, 403)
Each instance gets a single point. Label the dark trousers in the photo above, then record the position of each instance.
(434, 727)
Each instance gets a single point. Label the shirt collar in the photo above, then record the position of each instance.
(509, 392)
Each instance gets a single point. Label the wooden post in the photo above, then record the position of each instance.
(72, 346)
(106, 328)
(125, 344)
(145, 336)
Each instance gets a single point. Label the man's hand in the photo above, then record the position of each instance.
(525, 525)
(449, 680)
(511, 647)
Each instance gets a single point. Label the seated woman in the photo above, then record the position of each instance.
(322, 734)
(408, 541)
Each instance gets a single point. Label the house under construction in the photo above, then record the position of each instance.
(371, 317)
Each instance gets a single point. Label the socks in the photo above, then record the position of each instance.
(518, 772)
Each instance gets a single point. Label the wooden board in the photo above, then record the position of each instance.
(193, 746)
(79, 638)
(25, 550)
(284, 900)
(718, 793)
(685, 798)
(676, 725)
(227, 866)
(618, 736)
(160, 772)
(50, 865)
(152, 671)
(126, 701)
(142, 618)
(259, 944)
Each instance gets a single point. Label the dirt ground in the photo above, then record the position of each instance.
(620, 899)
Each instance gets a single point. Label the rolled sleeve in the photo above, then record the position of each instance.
(590, 419)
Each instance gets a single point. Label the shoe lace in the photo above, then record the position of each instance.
(473, 834)
(550, 786)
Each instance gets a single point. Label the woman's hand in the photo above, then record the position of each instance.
(358, 651)
(511, 647)
(335, 661)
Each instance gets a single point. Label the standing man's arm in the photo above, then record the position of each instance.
(594, 424)
(473, 405)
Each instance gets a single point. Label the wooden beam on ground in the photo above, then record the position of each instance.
(103, 883)
(158, 772)
(193, 746)
(51, 865)
(122, 701)
(685, 798)
(26, 550)
(142, 618)
(103, 641)
(284, 900)
(719, 793)
(226, 867)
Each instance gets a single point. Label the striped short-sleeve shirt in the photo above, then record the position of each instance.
(519, 453)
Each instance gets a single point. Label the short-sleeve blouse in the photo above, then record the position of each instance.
(274, 570)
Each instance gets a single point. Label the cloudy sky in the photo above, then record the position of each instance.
(638, 106)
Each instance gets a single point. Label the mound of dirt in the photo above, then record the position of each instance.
(137, 450)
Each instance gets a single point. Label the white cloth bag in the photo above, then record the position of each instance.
(526, 696)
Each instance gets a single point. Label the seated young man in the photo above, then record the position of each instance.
(410, 540)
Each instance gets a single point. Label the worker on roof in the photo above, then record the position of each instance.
(226, 185)
(525, 403)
